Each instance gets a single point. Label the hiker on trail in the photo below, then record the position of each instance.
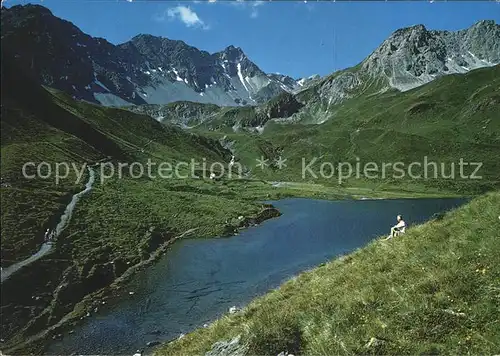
(49, 235)
(399, 228)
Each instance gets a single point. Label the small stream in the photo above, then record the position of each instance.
(63, 222)
(198, 280)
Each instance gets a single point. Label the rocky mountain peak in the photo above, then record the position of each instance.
(232, 54)
(415, 29)
(411, 57)
(485, 23)
(145, 38)
(414, 56)
(146, 69)
(29, 9)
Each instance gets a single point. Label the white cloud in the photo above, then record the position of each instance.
(255, 12)
(204, 1)
(247, 4)
(184, 14)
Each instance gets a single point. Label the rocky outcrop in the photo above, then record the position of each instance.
(233, 347)
(182, 113)
(283, 106)
(151, 241)
(268, 212)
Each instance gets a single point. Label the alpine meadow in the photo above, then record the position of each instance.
(159, 198)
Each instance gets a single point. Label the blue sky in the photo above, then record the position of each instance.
(295, 38)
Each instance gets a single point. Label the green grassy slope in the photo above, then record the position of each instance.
(433, 290)
(39, 125)
(29, 205)
(448, 119)
(141, 137)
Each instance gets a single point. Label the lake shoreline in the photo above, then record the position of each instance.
(316, 206)
(101, 297)
(351, 292)
(94, 300)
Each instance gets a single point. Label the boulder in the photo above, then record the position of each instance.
(153, 343)
(233, 347)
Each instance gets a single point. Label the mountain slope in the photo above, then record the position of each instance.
(414, 56)
(42, 126)
(147, 69)
(409, 58)
(454, 117)
(212, 117)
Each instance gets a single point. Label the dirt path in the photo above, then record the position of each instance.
(63, 222)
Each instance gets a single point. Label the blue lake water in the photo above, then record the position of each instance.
(198, 280)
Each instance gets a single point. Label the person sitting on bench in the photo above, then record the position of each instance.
(399, 228)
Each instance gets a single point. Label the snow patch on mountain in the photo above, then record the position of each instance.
(109, 99)
(241, 76)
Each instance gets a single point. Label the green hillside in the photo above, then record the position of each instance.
(47, 126)
(454, 117)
